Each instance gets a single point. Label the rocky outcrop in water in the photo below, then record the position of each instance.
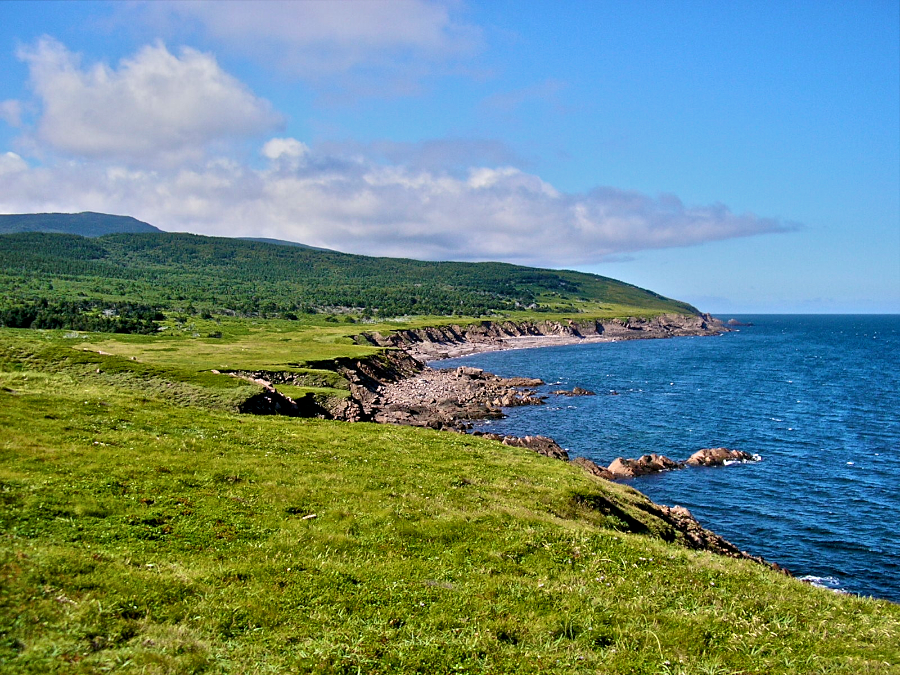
(646, 464)
(719, 457)
(577, 391)
(621, 468)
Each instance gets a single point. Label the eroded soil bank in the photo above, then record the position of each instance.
(453, 340)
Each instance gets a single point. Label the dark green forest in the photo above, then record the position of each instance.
(130, 277)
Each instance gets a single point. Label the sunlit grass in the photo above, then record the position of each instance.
(247, 344)
(140, 536)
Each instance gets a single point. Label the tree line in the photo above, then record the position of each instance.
(86, 315)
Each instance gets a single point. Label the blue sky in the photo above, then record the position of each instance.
(742, 156)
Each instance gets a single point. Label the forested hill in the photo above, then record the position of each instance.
(282, 242)
(197, 274)
(87, 224)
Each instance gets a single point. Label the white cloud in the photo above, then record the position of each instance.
(510, 178)
(376, 209)
(415, 24)
(284, 147)
(10, 162)
(155, 108)
(11, 112)
(287, 152)
(384, 47)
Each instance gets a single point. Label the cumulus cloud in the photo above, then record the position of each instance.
(10, 162)
(381, 46)
(286, 152)
(362, 206)
(154, 108)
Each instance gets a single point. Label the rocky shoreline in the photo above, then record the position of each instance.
(397, 387)
(402, 389)
(451, 398)
(452, 340)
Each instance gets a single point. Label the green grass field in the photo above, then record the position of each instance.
(148, 528)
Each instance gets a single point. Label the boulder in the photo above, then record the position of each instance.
(718, 457)
(646, 464)
(540, 444)
(522, 381)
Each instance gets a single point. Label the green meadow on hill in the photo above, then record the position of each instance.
(147, 526)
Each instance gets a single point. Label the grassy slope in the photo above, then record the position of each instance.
(147, 527)
(142, 536)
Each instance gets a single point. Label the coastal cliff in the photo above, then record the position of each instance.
(452, 340)
(396, 386)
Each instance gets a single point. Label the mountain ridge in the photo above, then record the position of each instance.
(85, 224)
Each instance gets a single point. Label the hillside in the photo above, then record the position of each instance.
(212, 275)
(149, 528)
(151, 525)
(283, 242)
(86, 224)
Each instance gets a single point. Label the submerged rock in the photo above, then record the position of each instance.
(577, 391)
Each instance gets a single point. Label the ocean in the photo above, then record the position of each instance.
(817, 397)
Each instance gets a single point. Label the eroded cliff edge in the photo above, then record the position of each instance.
(439, 342)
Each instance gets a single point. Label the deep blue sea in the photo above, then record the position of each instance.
(817, 397)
